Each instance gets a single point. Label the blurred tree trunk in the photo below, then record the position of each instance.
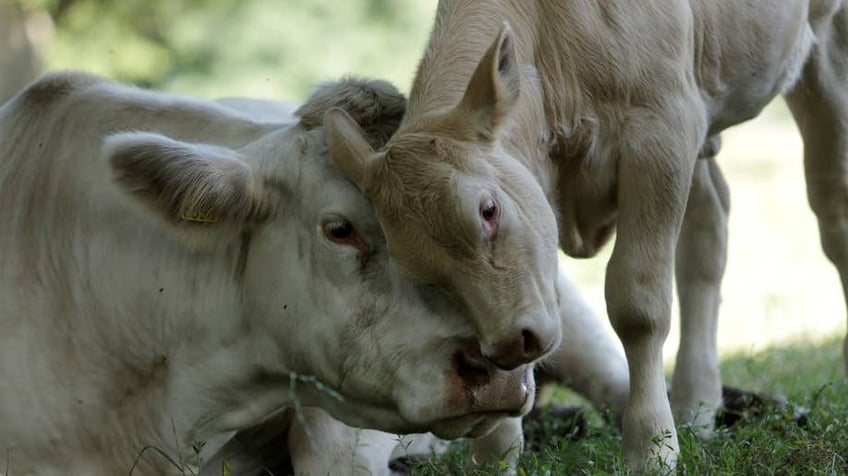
(19, 59)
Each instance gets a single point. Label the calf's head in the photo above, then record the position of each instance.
(315, 281)
(460, 213)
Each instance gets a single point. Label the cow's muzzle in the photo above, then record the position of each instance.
(491, 389)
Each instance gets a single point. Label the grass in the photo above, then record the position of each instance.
(808, 374)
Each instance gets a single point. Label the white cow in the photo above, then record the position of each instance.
(173, 271)
(316, 444)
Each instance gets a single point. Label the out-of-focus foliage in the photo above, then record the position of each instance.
(268, 48)
(18, 61)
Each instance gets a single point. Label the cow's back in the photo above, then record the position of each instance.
(36, 276)
(32, 126)
(40, 192)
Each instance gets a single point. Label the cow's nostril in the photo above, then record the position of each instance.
(522, 348)
(473, 370)
(532, 345)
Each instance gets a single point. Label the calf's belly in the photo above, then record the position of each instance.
(747, 53)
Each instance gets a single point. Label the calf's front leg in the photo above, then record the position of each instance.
(654, 177)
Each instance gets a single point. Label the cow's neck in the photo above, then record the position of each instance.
(187, 356)
(223, 386)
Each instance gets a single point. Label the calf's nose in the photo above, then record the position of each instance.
(522, 349)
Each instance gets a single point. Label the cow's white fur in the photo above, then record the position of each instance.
(128, 323)
(587, 360)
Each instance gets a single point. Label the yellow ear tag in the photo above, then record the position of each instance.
(197, 216)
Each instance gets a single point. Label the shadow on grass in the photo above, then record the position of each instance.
(810, 375)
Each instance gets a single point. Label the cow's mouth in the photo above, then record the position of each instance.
(391, 419)
(480, 420)
(471, 425)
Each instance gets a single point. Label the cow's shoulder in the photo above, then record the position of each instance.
(53, 87)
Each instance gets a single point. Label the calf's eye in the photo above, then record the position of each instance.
(488, 209)
(489, 216)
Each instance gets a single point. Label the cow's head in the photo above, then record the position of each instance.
(318, 288)
(460, 213)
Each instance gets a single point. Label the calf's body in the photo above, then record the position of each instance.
(583, 118)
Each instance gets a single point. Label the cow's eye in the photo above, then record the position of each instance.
(339, 231)
(342, 232)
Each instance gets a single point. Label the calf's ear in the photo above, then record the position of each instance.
(495, 85)
(348, 146)
(204, 193)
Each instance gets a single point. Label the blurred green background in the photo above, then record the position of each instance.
(778, 285)
(268, 48)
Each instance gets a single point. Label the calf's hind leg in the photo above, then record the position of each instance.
(819, 104)
(699, 269)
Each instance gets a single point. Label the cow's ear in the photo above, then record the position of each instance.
(348, 146)
(205, 193)
(495, 85)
